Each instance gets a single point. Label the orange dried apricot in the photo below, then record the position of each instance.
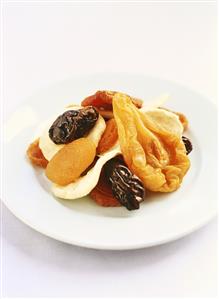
(104, 98)
(35, 154)
(102, 194)
(107, 114)
(109, 137)
(71, 161)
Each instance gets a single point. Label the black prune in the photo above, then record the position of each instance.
(188, 144)
(127, 188)
(73, 124)
(86, 120)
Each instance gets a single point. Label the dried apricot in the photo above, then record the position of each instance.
(107, 114)
(109, 137)
(102, 193)
(71, 161)
(104, 98)
(35, 154)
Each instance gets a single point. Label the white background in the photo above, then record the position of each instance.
(47, 42)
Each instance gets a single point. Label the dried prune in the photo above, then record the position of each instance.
(188, 144)
(127, 188)
(73, 124)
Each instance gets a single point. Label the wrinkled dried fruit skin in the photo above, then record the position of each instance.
(73, 124)
(103, 99)
(102, 193)
(188, 144)
(35, 154)
(109, 137)
(71, 161)
(87, 119)
(126, 187)
(157, 157)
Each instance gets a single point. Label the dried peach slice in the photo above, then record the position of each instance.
(104, 98)
(102, 194)
(71, 161)
(35, 154)
(109, 137)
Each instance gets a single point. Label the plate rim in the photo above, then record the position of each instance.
(86, 75)
(91, 245)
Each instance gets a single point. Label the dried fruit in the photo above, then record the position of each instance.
(165, 120)
(106, 114)
(126, 187)
(35, 154)
(183, 119)
(71, 161)
(150, 150)
(102, 193)
(188, 144)
(85, 183)
(73, 124)
(103, 99)
(109, 137)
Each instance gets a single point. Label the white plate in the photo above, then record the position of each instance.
(161, 218)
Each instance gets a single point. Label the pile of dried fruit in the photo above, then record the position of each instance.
(112, 150)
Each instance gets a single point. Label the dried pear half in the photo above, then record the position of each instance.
(151, 148)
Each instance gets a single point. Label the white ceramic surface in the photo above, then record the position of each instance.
(162, 218)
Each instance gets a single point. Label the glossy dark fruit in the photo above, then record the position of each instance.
(127, 188)
(73, 124)
(188, 144)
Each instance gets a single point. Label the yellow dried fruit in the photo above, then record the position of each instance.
(152, 152)
(183, 119)
(71, 161)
